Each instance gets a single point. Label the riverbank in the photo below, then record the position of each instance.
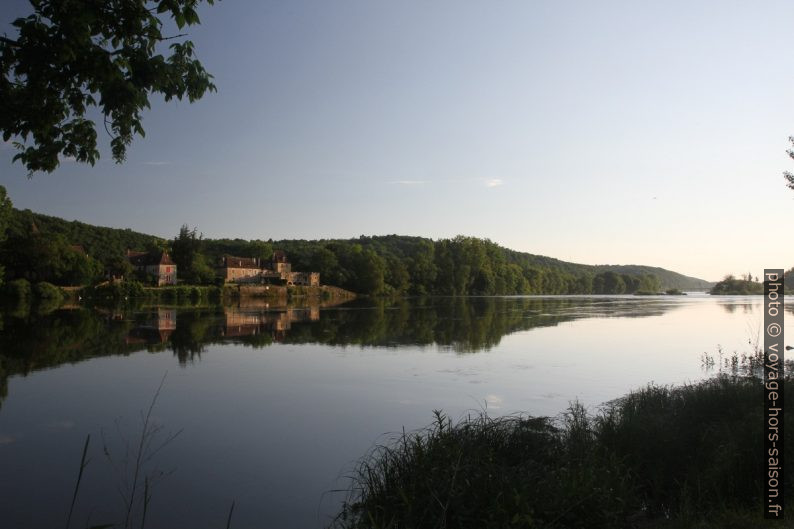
(660, 457)
(285, 293)
(47, 296)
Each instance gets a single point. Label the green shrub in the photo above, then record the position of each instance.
(45, 306)
(195, 294)
(215, 294)
(48, 291)
(167, 294)
(117, 291)
(17, 290)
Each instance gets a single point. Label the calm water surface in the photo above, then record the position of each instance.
(272, 406)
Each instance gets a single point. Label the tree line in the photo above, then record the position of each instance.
(42, 248)
(401, 265)
(395, 264)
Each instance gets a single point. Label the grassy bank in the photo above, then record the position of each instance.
(200, 295)
(684, 457)
(121, 292)
(21, 291)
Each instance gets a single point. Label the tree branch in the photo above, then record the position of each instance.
(160, 39)
(174, 37)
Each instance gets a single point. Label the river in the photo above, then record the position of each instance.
(270, 407)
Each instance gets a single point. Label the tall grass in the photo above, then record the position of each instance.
(83, 465)
(689, 456)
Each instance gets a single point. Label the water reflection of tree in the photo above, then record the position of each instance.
(731, 308)
(461, 324)
(31, 341)
(195, 328)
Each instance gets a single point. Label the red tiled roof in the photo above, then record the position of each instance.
(149, 259)
(165, 259)
(240, 262)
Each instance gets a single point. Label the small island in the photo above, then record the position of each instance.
(731, 286)
(749, 285)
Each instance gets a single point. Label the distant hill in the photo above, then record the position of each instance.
(385, 264)
(668, 278)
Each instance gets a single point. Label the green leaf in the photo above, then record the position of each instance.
(117, 63)
(191, 16)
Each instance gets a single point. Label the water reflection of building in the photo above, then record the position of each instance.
(156, 328)
(250, 322)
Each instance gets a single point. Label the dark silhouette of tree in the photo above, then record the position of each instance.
(5, 217)
(72, 55)
(185, 250)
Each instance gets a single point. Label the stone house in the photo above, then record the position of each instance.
(253, 270)
(246, 270)
(156, 264)
(279, 263)
(304, 278)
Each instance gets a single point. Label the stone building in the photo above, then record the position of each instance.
(156, 264)
(303, 278)
(245, 270)
(253, 270)
(280, 263)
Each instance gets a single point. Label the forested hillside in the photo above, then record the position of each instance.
(45, 248)
(98, 242)
(668, 278)
(459, 266)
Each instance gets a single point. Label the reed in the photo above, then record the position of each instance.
(666, 457)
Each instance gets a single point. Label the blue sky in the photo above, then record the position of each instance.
(608, 132)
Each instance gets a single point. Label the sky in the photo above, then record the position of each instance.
(594, 132)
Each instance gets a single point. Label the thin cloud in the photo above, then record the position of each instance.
(410, 182)
(493, 401)
(494, 182)
(156, 163)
